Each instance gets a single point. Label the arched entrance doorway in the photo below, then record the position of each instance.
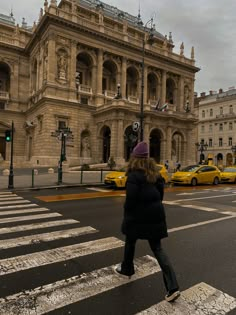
(106, 141)
(219, 158)
(131, 139)
(155, 145)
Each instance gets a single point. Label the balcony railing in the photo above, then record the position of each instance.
(84, 89)
(133, 99)
(4, 95)
(110, 94)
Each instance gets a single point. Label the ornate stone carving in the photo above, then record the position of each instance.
(62, 65)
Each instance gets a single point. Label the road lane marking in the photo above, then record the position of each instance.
(34, 226)
(98, 189)
(200, 208)
(201, 299)
(51, 256)
(5, 193)
(9, 197)
(53, 296)
(192, 193)
(19, 206)
(189, 226)
(13, 202)
(19, 212)
(201, 198)
(45, 237)
(30, 217)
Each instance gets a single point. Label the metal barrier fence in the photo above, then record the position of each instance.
(37, 179)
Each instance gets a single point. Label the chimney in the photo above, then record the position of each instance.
(211, 92)
(220, 91)
(203, 94)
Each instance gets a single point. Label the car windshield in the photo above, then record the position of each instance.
(230, 169)
(190, 168)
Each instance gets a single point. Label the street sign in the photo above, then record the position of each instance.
(136, 125)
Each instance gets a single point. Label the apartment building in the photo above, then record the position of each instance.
(217, 125)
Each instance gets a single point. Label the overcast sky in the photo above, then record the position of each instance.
(208, 25)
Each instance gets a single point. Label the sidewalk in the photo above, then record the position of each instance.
(45, 180)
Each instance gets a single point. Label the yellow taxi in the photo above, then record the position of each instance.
(197, 174)
(228, 175)
(118, 179)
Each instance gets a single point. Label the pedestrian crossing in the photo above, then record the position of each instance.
(35, 222)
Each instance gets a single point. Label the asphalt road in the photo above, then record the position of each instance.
(201, 246)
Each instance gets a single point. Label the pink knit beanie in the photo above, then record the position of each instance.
(141, 150)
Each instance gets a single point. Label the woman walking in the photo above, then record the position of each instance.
(144, 216)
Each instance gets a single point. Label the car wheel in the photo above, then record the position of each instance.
(194, 181)
(216, 181)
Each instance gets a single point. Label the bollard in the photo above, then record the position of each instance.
(101, 175)
(81, 176)
(32, 179)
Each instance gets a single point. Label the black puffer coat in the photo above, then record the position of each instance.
(144, 214)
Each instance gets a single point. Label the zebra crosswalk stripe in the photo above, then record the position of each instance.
(23, 262)
(19, 206)
(61, 293)
(9, 202)
(45, 237)
(18, 212)
(34, 226)
(201, 299)
(6, 193)
(30, 217)
(10, 197)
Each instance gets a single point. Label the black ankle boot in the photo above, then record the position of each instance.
(123, 271)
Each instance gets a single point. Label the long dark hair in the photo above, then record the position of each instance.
(147, 165)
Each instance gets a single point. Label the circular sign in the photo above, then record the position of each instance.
(136, 125)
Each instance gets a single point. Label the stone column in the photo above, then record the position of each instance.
(123, 77)
(146, 133)
(145, 85)
(114, 140)
(120, 142)
(73, 56)
(14, 86)
(168, 143)
(181, 94)
(94, 77)
(52, 60)
(191, 96)
(163, 87)
(99, 71)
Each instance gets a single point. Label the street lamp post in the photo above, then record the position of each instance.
(201, 146)
(11, 174)
(234, 152)
(150, 40)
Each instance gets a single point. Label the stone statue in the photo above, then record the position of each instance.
(182, 49)
(186, 94)
(62, 66)
(86, 151)
(165, 42)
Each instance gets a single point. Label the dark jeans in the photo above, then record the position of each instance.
(163, 260)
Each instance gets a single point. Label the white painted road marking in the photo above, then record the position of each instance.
(199, 208)
(34, 226)
(5, 193)
(19, 206)
(98, 189)
(189, 226)
(13, 202)
(30, 217)
(10, 197)
(50, 297)
(201, 299)
(45, 237)
(208, 197)
(23, 262)
(18, 212)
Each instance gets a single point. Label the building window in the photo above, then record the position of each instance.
(61, 124)
(221, 110)
(203, 114)
(210, 128)
(211, 112)
(231, 109)
(210, 142)
(220, 142)
(202, 128)
(230, 126)
(230, 142)
(220, 127)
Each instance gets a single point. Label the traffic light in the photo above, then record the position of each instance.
(8, 135)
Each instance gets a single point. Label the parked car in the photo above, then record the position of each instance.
(197, 174)
(228, 175)
(118, 179)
